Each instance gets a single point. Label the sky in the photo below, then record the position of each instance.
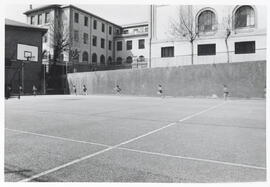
(118, 14)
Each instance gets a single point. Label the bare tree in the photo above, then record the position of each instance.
(184, 27)
(227, 25)
(60, 40)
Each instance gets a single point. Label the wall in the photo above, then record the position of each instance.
(32, 71)
(165, 15)
(243, 80)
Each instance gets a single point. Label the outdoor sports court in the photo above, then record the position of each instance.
(134, 139)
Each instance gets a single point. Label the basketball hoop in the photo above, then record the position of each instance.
(27, 53)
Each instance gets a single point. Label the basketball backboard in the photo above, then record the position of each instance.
(27, 52)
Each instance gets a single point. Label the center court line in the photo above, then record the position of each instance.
(118, 145)
(144, 152)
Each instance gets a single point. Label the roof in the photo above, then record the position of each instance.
(9, 22)
(72, 6)
(66, 6)
(42, 8)
(145, 23)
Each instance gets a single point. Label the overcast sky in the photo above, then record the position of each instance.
(119, 14)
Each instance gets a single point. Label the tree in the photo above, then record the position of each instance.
(184, 27)
(227, 25)
(60, 40)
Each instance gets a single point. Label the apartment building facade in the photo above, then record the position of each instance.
(246, 25)
(93, 40)
(100, 42)
(132, 46)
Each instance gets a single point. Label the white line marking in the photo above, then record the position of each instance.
(57, 137)
(144, 152)
(194, 159)
(115, 146)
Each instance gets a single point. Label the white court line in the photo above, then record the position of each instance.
(144, 152)
(57, 137)
(194, 159)
(115, 146)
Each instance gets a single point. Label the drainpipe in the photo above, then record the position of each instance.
(150, 33)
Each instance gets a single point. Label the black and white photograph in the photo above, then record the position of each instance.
(144, 93)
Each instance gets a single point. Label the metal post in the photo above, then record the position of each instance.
(22, 75)
(44, 79)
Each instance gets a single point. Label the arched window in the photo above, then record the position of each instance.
(109, 60)
(244, 17)
(94, 58)
(129, 59)
(102, 60)
(206, 21)
(75, 55)
(141, 58)
(85, 56)
(119, 60)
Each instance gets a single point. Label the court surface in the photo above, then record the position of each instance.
(134, 139)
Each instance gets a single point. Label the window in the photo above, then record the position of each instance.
(110, 30)
(129, 45)
(32, 20)
(75, 55)
(47, 17)
(109, 60)
(76, 18)
(94, 41)
(167, 52)
(76, 36)
(141, 44)
(129, 60)
(244, 17)
(117, 31)
(125, 31)
(85, 21)
(206, 49)
(94, 58)
(119, 60)
(85, 38)
(119, 46)
(45, 38)
(85, 57)
(141, 59)
(110, 45)
(244, 47)
(206, 21)
(102, 44)
(95, 24)
(102, 60)
(39, 19)
(103, 27)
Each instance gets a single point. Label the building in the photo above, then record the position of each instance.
(96, 42)
(93, 41)
(26, 72)
(245, 24)
(132, 46)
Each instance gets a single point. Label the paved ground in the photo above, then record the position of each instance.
(134, 139)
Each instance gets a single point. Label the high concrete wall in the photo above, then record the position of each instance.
(243, 80)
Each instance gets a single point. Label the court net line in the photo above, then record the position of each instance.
(118, 145)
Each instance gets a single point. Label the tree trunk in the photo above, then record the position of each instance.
(227, 48)
(192, 53)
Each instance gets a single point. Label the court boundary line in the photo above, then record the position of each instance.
(120, 144)
(57, 137)
(145, 152)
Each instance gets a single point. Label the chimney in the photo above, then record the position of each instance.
(30, 7)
